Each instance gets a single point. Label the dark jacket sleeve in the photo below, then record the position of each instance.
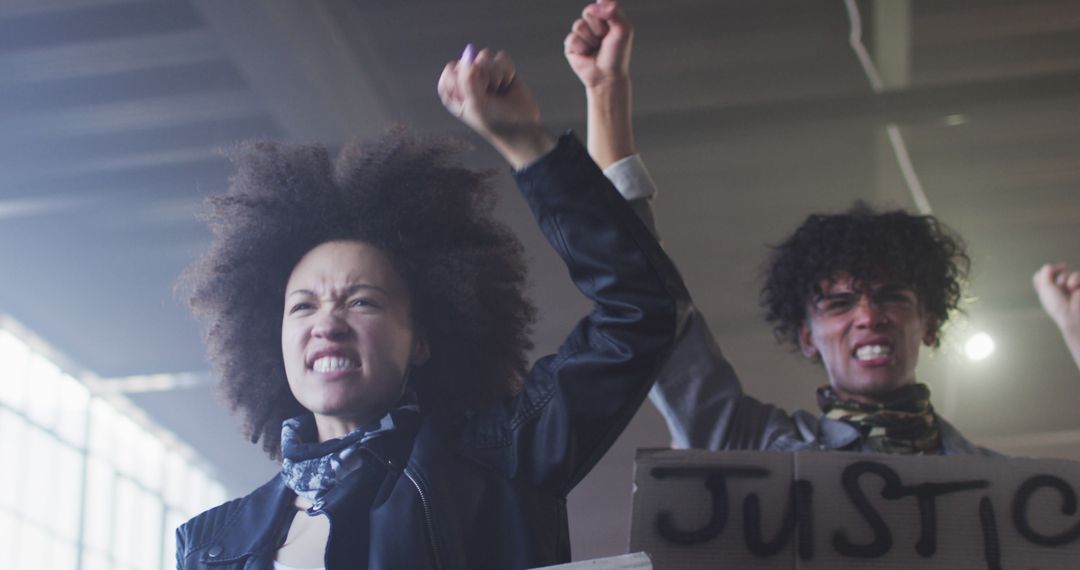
(699, 394)
(575, 403)
(181, 547)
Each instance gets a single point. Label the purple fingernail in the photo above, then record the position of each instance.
(469, 54)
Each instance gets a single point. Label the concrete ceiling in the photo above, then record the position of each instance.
(750, 115)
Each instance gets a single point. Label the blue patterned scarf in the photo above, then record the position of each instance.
(312, 468)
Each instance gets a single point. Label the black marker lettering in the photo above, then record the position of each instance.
(797, 514)
(716, 482)
(991, 542)
(882, 537)
(927, 494)
(1068, 507)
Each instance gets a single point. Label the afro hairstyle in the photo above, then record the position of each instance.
(432, 217)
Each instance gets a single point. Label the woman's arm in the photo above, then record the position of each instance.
(576, 402)
(485, 93)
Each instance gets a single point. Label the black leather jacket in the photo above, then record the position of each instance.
(489, 491)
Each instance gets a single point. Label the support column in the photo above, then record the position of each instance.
(890, 47)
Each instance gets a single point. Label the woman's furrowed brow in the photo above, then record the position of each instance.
(349, 290)
(362, 286)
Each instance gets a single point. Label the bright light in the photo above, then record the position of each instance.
(979, 346)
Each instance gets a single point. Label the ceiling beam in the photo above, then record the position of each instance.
(896, 177)
(113, 55)
(892, 41)
(20, 8)
(117, 117)
(305, 63)
(914, 105)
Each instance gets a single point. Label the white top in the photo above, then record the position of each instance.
(280, 566)
(305, 546)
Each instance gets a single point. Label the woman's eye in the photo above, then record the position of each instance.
(361, 302)
(299, 307)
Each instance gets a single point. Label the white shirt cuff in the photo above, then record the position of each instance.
(631, 178)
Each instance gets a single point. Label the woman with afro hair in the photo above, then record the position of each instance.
(367, 319)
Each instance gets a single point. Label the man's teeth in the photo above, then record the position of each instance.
(871, 351)
(333, 364)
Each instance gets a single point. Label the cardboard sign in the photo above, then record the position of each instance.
(817, 510)
(635, 561)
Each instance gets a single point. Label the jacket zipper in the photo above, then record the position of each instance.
(427, 516)
(428, 520)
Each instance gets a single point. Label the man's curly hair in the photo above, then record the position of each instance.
(432, 217)
(871, 247)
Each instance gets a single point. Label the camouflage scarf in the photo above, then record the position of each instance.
(904, 421)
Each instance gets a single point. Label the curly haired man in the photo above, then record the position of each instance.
(861, 292)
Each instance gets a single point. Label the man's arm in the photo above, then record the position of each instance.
(598, 50)
(1059, 293)
(697, 392)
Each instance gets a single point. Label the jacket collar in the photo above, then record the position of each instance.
(836, 434)
(839, 435)
(253, 526)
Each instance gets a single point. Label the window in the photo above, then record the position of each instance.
(80, 470)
